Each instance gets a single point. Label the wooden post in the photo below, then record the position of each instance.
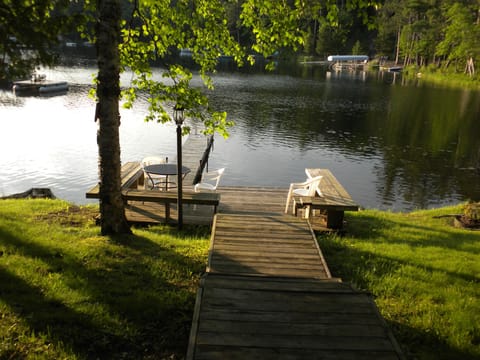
(179, 176)
(334, 219)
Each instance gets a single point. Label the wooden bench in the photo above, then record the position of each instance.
(168, 198)
(132, 177)
(332, 199)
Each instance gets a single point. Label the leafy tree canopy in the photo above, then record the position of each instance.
(29, 29)
(156, 29)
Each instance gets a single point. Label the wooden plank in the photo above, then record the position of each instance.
(286, 237)
(291, 341)
(284, 243)
(264, 256)
(131, 172)
(171, 197)
(299, 329)
(195, 323)
(273, 267)
(255, 300)
(265, 243)
(295, 316)
(267, 271)
(325, 203)
(278, 283)
(273, 221)
(271, 255)
(241, 353)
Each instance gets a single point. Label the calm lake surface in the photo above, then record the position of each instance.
(392, 145)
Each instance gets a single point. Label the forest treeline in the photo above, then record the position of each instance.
(429, 33)
(436, 33)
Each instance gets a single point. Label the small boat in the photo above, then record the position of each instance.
(395, 69)
(38, 85)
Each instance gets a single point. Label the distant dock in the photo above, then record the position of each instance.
(348, 62)
(38, 86)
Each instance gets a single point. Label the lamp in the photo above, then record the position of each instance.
(178, 114)
(178, 117)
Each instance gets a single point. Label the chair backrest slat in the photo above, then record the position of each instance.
(315, 183)
(152, 160)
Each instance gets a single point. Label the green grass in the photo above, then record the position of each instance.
(423, 273)
(442, 78)
(68, 293)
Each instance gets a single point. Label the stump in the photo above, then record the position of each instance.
(462, 221)
(33, 193)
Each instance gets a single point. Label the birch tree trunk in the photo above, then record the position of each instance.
(397, 50)
(107, 115)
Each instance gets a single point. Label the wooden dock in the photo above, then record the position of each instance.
(268, 294)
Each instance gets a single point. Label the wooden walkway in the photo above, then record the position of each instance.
(272, 245)
(268, 294)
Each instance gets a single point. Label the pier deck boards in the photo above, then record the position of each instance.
(268, 294)
(282, 318)
(265, 246)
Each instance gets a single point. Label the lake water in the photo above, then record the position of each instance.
(392, 145)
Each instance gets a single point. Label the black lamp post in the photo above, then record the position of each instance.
(178, 116)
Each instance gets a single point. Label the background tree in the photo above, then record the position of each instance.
(107, 115)
(461, 43)
(391, 17)
(29, 34)
(357, 48)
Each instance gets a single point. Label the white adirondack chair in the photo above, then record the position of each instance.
(306, 188)
(209, 181)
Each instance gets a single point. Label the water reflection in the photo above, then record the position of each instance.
(392, 146)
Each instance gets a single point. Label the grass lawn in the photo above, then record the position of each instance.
(423, 273)
(68, 293)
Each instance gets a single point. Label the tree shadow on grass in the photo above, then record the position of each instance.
(444, 235)
(421, 345)
(359, 267)
(53, 319)
(367, 228)
(128, 307)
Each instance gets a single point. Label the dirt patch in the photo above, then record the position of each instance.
(465, 222)
(73, 216)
